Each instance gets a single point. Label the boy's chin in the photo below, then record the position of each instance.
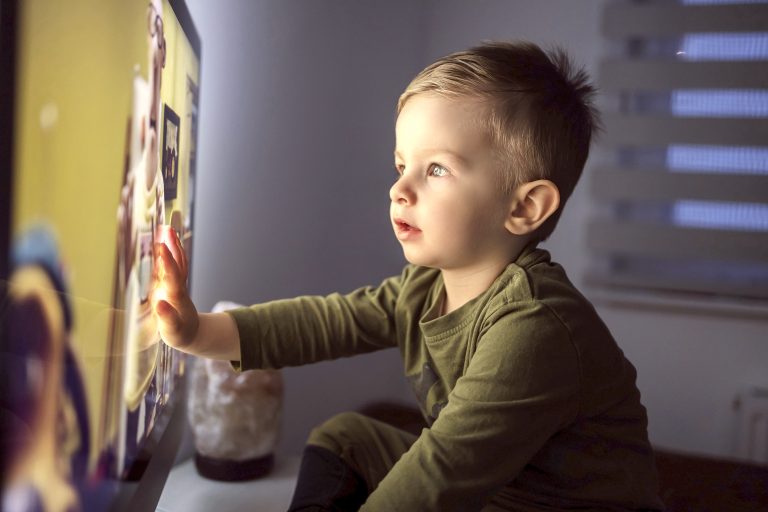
(420, 260)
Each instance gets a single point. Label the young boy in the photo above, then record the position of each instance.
(530, 403)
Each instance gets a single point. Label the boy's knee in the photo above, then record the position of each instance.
(338, 432)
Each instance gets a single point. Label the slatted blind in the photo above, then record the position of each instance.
(681, 196)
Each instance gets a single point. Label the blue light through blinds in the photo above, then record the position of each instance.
(721, 2)
(719, 103)
(717, 159)
(718, 219)
(725, 46)
(721, 215)
(720, 159)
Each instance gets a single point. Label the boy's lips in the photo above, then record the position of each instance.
(404, 230)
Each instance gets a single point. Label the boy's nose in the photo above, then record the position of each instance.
(401, 192)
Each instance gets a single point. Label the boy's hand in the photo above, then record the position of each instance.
(177, 318)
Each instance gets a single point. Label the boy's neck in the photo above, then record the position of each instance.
(464, 284)
(461, 286)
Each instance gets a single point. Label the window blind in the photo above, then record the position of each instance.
(681, 194)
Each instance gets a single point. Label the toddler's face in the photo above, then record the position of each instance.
(447, 208)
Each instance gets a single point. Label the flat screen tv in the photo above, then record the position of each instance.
(98, 125)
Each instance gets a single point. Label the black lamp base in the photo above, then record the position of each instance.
(228, 470)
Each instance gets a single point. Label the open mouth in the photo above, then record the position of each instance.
(403, 229)
(404, 226)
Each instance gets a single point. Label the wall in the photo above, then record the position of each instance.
(296, 139)
(295, 164)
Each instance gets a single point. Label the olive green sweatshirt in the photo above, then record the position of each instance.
(531, 404)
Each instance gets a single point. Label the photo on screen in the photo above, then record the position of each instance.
(170, 152)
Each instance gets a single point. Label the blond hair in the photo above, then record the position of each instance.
(540, 114)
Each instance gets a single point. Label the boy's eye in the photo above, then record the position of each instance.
(437, 170)
(398, 172)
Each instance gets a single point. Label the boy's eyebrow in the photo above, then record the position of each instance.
(439, 152)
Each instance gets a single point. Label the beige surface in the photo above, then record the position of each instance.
(186, 491)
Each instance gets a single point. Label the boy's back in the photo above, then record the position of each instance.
(602, 456)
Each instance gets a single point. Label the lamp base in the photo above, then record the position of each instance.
(228, 470)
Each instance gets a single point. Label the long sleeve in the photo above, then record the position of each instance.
(519, 389)
(530, 402)
(308, 329)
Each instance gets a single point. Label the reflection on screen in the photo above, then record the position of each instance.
(104, 145)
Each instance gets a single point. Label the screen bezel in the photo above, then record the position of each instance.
(8, 10)
(146, 476)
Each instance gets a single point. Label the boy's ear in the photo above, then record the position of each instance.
(531, 204)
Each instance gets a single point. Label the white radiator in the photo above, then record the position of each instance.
(751, 436)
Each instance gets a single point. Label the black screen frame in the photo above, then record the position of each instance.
(149, 472)
(8, 10)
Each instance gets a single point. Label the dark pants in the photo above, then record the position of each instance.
(345, 459)
(327, 483)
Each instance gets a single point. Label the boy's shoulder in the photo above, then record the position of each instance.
(539, 289)
(542, 293)
(541, 279)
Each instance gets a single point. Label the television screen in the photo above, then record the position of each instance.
(99, 118)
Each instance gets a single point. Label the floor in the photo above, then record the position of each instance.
(186, 491)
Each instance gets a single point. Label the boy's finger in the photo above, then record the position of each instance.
(172, 241)
(182, 253)
(172, 279)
